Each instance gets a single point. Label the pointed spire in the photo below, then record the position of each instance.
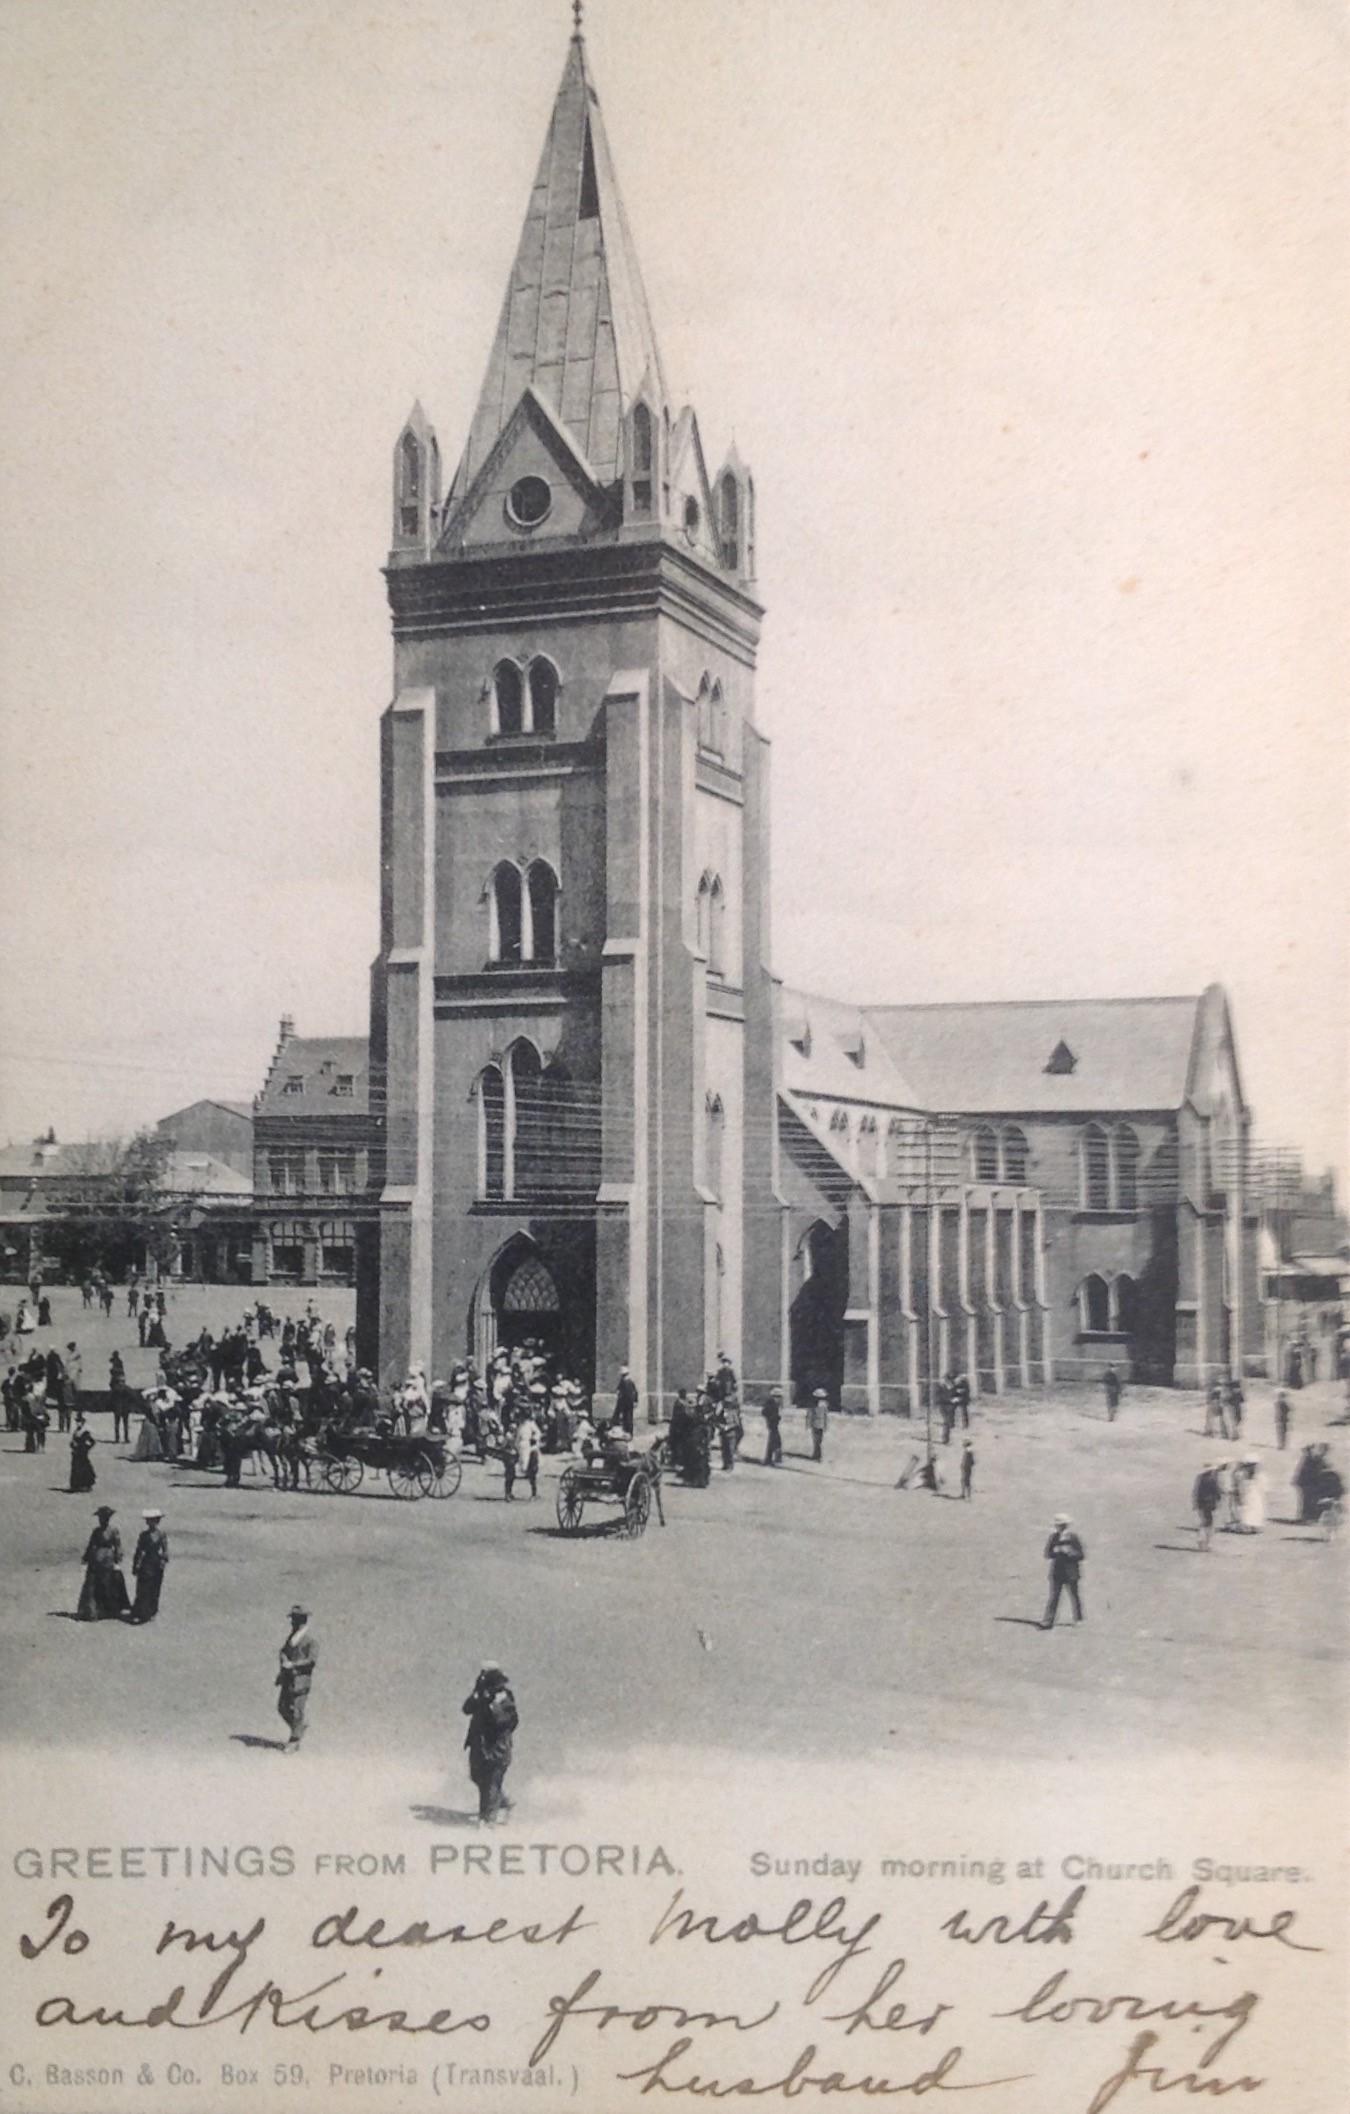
(575, 324)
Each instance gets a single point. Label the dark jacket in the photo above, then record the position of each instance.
(1064, 1553)
(491, 1712)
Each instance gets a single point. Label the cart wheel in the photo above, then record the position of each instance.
(341, 1472)
(637, 1507)
(446, 1481)
(408, 1478)
(570, 1502)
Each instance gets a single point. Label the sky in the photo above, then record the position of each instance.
(1030, 319)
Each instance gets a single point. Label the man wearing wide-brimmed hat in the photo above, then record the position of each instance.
(148, 1564)
(299, 1657)
(1065, 1555)
(492, 1715)
(103, 1597)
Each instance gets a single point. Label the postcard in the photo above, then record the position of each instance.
(674, 1273)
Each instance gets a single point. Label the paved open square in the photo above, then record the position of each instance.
(812, 1610)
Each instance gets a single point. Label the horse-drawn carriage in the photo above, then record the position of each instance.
(414, 1464)
(628, 1482)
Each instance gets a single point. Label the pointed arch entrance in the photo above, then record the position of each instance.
(517, 1302)
(816, 1317)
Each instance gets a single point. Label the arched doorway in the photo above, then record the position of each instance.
(517, 1302)
(816, 1317)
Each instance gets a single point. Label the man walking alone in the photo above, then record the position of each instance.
(1065, 1555)
(299, 1656)
(491, 1711)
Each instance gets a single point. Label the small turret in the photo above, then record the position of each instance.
(417, 484)
(734, 492)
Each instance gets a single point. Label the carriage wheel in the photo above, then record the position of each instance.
(637, 1507)
(571, 1503)
(446, 1480)
(411, 1478)
(341, 1472)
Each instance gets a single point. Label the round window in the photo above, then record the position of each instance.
(692, 517)
(528, 502)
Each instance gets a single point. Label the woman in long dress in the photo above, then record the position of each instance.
(103, 1597)
(82, 1475)
(148, 1446)
(1252, 1498)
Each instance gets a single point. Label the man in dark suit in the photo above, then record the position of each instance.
(625, 1401)
(1065, 1555)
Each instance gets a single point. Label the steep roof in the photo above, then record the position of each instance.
(1127, 1053)
(575, 324)
(317, 1062)
(829, 1050)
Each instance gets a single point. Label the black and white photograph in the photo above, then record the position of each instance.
(675, 1080)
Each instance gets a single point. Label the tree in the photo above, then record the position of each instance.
(111, 1206)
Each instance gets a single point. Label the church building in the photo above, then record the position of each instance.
(597, 1120)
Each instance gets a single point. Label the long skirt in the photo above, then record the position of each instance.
(81, 1472)
(148, 1446)
(148, 1585)
(103, 1597)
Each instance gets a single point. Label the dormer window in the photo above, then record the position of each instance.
(855, 1049)
(294, 1083)
(345, 1087)
(1061, 1059)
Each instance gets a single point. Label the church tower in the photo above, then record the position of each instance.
(572, 1015)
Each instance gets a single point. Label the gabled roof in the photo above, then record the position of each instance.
(575, 323)
(242, 1109)
(828, 1050)
(317, 1062)
(1128, 1053)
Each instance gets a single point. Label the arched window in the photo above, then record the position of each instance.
(984, 1155)
(543, 890)
(410, 484)
(504, 914)
(717, 914)
(1016, 1154)
(1126, 1146)
(527, 1126)
(569, 1164)
(508, 699)
(491, 1132)
(703, 915)
(1125, 1306)
(544, 688)
(642, 459)
(717, 721)
(1096, 1169)
(703, 705)
(869, 1146)
(730, 509)
(1094, 1307)
(716, 1133)
(749, 528)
